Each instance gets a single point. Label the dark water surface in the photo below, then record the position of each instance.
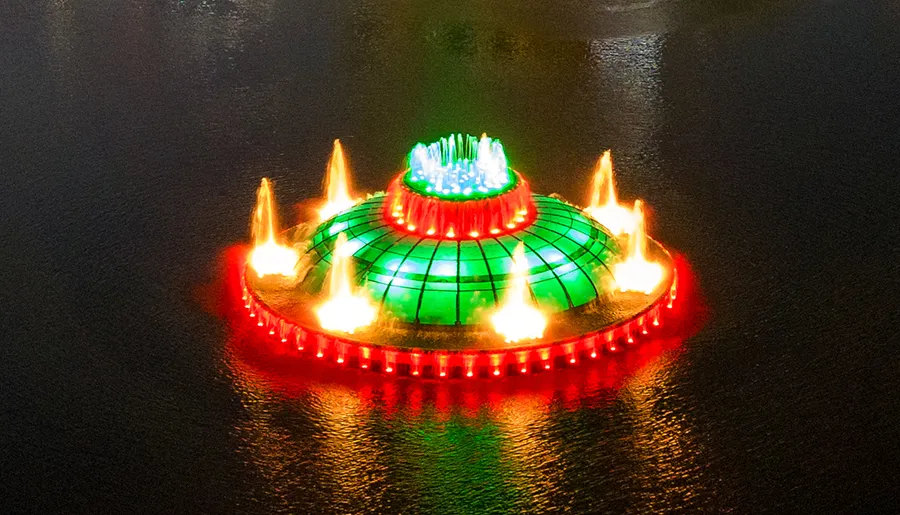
(132, 136)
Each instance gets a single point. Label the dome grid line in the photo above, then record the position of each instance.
(571, 259)
(362, 273)
(397, 271)
(490, 275)
(458, 285)
(422, 289)
(582, 251)
(326, 254)
(323, 241)
(581, 247)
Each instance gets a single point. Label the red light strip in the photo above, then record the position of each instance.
(447, 364)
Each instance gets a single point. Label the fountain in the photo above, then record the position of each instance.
(459, 270)
(347, 309)
(337, 185)
(636, 273)
(268, 257)
(614, 216)
(517, 319)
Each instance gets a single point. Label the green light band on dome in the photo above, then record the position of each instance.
(459, 167)
(447, 282)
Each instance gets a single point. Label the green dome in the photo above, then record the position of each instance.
(448, 282)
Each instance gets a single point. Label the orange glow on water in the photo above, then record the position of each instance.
(604, 206)
(636, 273)
(517, 319)
(268, 257)
(347, 308)
(337, 184)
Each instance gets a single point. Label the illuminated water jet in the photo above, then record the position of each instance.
(337, 184)
(460, 166)
(346, 309)
(604, 206)
(518, 319)
(268, 257)
(636, 273)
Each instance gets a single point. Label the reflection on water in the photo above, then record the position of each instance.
(321, 448)
(534, 458)
(387, 444)
(664, 444)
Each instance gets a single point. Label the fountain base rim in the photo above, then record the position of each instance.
(302, 335)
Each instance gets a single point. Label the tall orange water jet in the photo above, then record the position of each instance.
(337, 184)
(267, 256)
(636, 273)
(604, 206)
(518, 319)
(346, 309)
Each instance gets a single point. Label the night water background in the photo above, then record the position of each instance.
(763, 134)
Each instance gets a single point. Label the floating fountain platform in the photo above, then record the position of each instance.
(435, 255)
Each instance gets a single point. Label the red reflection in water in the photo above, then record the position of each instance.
(257, 354)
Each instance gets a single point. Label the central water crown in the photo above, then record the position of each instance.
(459, 167)
(459, 187)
